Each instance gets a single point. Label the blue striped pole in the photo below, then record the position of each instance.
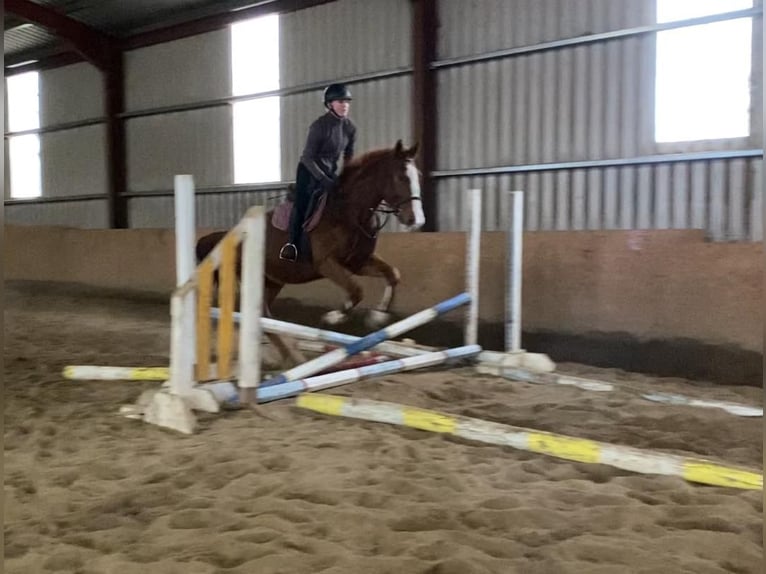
(394, 330)
(293, 388)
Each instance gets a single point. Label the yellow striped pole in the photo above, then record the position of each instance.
(204, 299)
(559, 446)
(226, 294)
(104, 373)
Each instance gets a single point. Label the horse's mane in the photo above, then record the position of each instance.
(353, 167)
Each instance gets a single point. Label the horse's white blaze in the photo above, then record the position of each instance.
(417, 206)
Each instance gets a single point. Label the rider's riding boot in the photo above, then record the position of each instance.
(289, 251)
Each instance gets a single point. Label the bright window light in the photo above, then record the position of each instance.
(24, 157)
(702, 87)
(256, 129)
(24, 151)
(256, 141)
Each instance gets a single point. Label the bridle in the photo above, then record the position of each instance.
(386, 210)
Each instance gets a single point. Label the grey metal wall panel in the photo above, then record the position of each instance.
(71, 93)
(344, 38)
(722, 197)
(755, 201)
(90, 214)
(567, 105)
(470, 27)
(587, 102)
(193, 69)
(197, 142)
(213, 210)
(74, 162)
(756, 119)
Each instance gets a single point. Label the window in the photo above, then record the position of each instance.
(256, 129)
(702, 87)
(24, 150)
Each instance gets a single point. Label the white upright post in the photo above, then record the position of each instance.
(473, 253)
(513, 286)
(182, 304)
(253, 261)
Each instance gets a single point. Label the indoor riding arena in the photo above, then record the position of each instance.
(523, 331)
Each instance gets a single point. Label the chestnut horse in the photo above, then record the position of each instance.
(342, 243)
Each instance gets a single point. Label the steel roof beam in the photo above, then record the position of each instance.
(96, 47)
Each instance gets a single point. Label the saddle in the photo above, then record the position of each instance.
(281, 216)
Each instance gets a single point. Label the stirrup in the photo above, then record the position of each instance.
(289, 252)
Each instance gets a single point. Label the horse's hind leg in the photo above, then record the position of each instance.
(344, 279)
(377, 267)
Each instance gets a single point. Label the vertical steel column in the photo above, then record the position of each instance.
(424, 112)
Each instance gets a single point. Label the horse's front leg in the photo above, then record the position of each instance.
(343, 278)
(377, 267)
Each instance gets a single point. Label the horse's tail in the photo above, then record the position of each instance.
(206, 244)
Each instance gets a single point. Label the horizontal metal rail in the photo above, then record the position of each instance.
(601, 163)
(214, 189)
(282, 186)
(56, 199)
(301, 89)
(57, 127)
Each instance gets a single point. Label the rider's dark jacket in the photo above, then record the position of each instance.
(329, 137)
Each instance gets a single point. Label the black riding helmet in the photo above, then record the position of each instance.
(336, 92)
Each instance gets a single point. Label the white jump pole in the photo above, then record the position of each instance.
(513, 286)
(332, 358)
(251, 328)
(473, 253)
(182, 304)
(316, 383)
(270, 325)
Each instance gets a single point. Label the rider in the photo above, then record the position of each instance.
(331, 135)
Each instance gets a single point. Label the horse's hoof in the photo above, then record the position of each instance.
(334, 317)
(376, 319)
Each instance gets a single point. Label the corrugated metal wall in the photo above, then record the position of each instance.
(578, 103)
(723, 197)
(70, 94)
(189, 70)
(73, 160)
(199, 142)
(90, 214)
(196, 142)
(344, 38)
(219, 210)
(582, 103)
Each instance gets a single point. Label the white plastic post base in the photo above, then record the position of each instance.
(166, 409)
(494, 363)
(170, 411)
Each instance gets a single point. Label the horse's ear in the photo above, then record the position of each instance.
(413, 151)
(399, 147)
